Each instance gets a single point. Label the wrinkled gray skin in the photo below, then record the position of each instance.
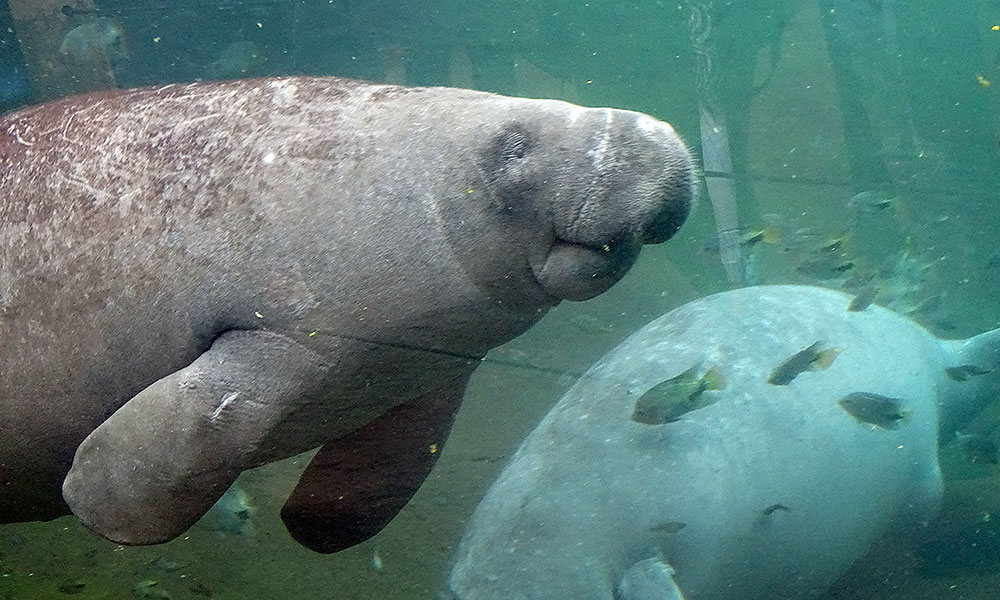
(246, 270)
(591, 505)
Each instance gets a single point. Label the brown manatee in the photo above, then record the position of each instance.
(197, 279)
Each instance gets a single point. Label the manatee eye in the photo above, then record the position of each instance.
(511, 175)
(513, 143)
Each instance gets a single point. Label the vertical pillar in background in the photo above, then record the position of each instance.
(718, 167)
(716, 159)
(66, 48)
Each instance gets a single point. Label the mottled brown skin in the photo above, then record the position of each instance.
(246, 270)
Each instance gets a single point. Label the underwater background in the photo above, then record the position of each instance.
(852, 144)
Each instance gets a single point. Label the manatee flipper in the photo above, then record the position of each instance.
(356, 484)
(161, 461)
(649, 579)
(971, 396)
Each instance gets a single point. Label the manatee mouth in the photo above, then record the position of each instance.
(576, 271)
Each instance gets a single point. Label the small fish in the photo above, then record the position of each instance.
(150, 588)
(927, 305)
(874, 409)
(978, 448)
(72, 586)
(774, 507)
(72, 11)
(748, 238)
(810, 359)
(871, 202)
(834, 244)
(964, 372)
(232, 514)
(165, 564)
(668, 527)
(669, 400)
(858, 281)
(863, 300)
(825, 267)
(768, 235)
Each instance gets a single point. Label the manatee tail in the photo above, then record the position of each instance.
(972, 373)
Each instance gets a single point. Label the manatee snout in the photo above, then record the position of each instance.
(672, 195)
(641, 186)
(636, 188)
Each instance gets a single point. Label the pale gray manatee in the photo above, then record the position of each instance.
(763, 491)
(197, 279)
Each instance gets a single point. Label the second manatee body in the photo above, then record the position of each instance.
(769, 492)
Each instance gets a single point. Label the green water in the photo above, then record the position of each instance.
(818, 101)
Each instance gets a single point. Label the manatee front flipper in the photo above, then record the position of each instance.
(356, 484)
(650, 579)
(159, 463)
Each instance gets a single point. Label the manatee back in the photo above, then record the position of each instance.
(768, 492)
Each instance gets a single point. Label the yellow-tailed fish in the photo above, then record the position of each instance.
(668, 400)
(812, 358)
